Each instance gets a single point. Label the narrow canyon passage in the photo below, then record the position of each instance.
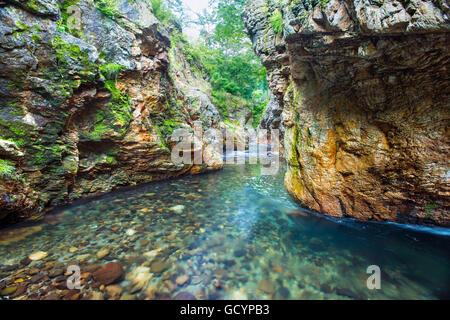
(98, 96)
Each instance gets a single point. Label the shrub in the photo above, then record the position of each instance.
(7, 169)
(110, 71)
(108, 8)
(276, 21)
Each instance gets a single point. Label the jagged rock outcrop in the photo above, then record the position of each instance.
(86, 105)
(364, 90)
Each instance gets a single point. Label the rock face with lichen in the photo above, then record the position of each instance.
(363, 91)
(87, 103)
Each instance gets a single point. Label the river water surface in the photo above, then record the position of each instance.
(232, 234)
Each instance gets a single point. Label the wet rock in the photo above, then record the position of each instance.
(73, 249)
(39, 255)
(33, 271)
(96, 295)
(8, 291)
(229, 263)
(25, 261)
(184, 296)
(240, 253)
(278, 269)
(361, 176)
(178, 209)
(21, 289)
(139, 43)
(10, 268)
(151, 254)
(109, 273)
(266, 286)
(61, 285)
(198, 279)
(325, 287)
(72, 295)
(10, 149)
(83, 258)
(38, 278)
(52, 296)
(139, 278)
(181, 280)
(283, 293)
(130, 232)
(239, 295)
(103, 253)
(91, 268)
(113, 291)
(128, 297)
(48, 266)
(56, 272)
(159, 266)
(60, 278)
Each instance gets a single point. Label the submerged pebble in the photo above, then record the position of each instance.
(178, 209)
(39, 255)
(181, 280)
(103, 253)
(109, 273)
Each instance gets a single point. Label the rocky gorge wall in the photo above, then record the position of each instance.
(361, 90)
(85, 111)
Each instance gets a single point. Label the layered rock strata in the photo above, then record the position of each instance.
(363, 91)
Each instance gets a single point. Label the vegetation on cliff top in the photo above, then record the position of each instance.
(223, 54)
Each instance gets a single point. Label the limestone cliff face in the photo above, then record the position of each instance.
(84, 111)
(364, 91)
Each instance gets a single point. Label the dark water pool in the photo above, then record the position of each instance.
(235, 234)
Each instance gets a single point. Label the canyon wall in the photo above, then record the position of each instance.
(361, 89)
(88, 108)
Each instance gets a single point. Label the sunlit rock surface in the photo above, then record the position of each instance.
(363, 88)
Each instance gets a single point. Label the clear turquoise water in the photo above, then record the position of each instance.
(236, 237)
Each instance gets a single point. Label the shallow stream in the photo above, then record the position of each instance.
(232, 234)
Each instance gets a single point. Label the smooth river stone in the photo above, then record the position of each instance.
(181, 280)
(103, 253)
(159, 266)
(38, 256)
(8, 291)
(266, 286)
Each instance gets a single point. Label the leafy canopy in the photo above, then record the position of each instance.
(236, 73)
(223, 53)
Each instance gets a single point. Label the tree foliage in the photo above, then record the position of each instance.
(228, 57)
(161, 11)
(224, 55)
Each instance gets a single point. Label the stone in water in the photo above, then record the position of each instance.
(38, 256)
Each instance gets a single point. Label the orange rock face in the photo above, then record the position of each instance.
(365, 110)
